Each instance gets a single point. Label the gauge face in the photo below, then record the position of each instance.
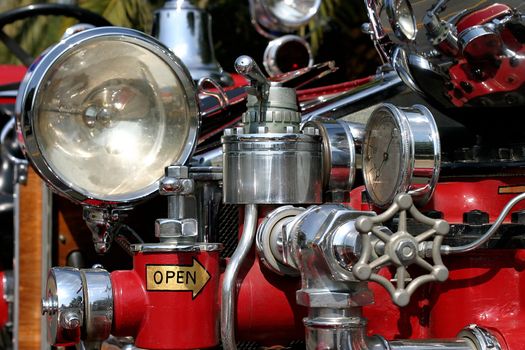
(384, 157)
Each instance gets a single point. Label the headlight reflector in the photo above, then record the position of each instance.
(105, 111)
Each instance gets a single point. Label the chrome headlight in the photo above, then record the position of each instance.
(402, 19)
(283, 15)
(104, 111)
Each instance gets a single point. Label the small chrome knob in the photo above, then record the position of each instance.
(70, 320)
(247, 66)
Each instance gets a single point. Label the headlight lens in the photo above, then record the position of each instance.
(105, 111)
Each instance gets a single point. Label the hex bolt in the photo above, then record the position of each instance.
(407, 252)
(518, 217)
(70, 320)
(476, 217)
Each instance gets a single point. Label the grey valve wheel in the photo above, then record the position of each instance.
(401, 249)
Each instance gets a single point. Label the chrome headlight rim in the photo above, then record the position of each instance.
(420, 147)
(270, 25)
(290, 23)
(26, 109)
(392, 9)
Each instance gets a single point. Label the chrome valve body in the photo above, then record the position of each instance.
(267, 160)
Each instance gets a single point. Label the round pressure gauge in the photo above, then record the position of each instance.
(401, 153)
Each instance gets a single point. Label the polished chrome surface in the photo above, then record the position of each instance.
(403, 63)
(402, 19)
(431, 344)
(480, 42)
(271, 168)
(13, 167)
(98, 299)
(401, 249)
(176, 230)
(269, 239)
(175, 247)
(103, 223)
(401, 153)
(281, 16)
(129, 170)
(267, 160)
(480, 337)
(229, 281)
(186, 30)
(466, 43)
(343, 329)
(322, 243)
(286, 53)
(76, 28)
(63, 306)
(340, 155)
(380, 88)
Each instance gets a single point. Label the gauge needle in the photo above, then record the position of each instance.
(385, 155)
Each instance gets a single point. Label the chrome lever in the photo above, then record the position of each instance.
(298, 78)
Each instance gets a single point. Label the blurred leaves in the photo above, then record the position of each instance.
(38, 33)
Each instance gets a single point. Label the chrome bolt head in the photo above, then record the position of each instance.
(70, 320)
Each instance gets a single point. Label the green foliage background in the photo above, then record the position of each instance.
(335, 34)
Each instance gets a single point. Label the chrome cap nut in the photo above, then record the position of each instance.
(63, 306)
(78, 305)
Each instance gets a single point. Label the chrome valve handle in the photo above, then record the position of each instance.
(401, 249)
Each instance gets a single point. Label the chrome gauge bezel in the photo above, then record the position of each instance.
(26, 107)
(420, 153)
(394, 15)
(341, 153)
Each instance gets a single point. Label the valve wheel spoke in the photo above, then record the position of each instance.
(401, 249)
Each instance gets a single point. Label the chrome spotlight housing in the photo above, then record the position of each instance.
(402, 19)
(103, 112)
(282, 16)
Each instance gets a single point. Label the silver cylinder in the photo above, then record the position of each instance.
(272, 168)
(430, 344)
(343, 329)
(186, 30)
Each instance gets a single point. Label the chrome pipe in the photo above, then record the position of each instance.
(229, 282)
(430, 344)
(380, 88)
